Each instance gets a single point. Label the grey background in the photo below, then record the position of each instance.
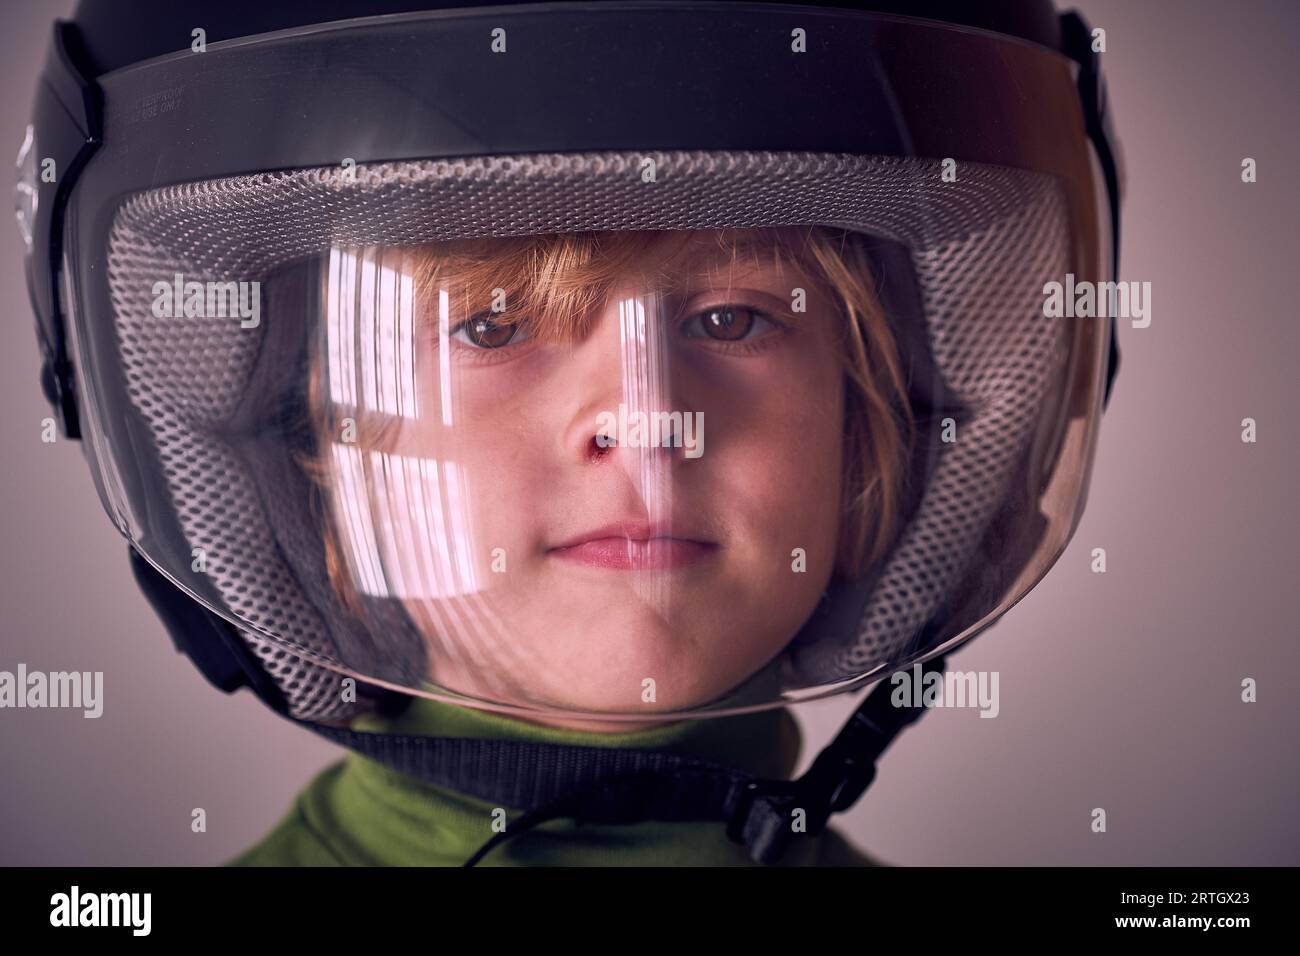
(1118, 690)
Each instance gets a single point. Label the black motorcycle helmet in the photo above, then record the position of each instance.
(280, 284)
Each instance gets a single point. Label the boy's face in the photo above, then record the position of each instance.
(557, 547)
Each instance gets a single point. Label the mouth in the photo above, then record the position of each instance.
(634, 547)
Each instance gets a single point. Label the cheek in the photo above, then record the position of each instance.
(500, 462)
(778, 453)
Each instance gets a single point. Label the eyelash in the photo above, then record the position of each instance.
(750, 343)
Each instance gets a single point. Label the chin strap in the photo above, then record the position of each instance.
(616, 786)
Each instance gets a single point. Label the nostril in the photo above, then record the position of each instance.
(600, 445)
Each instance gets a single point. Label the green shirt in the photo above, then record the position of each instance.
(356, 812)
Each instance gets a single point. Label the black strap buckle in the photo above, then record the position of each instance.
(762, 813)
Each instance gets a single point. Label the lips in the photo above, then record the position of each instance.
(627, 546)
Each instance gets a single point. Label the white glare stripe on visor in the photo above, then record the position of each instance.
(645, 385)
(403, 520)
(433, 559)
(444, 354)
(380, 314)
(352, 516)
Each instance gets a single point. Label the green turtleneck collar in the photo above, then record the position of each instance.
(358, 812)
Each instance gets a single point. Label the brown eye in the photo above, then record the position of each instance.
(483, 332)
(727, 323)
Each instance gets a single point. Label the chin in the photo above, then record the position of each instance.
(610, 664)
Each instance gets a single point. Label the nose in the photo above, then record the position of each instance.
(621, 379)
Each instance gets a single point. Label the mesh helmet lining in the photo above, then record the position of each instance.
(980, 250)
